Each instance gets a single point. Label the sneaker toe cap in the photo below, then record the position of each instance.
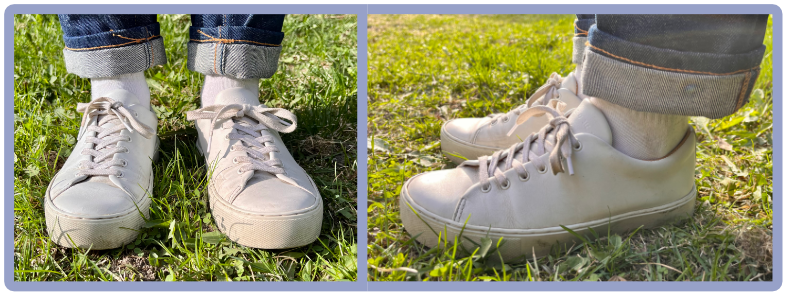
(462, 129)
(271, 196)
(438, 192)
(94, 200)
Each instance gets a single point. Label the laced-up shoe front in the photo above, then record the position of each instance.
(100, 196)
(259, 196)
(470, 138)
(566, 175)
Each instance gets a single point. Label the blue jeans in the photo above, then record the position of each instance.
(692, 65)
(236, 45)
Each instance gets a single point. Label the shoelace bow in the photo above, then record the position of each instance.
(547, 91)
(253, 137)
(520, 153)
(106, 139)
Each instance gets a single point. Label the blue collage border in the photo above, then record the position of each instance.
(363, 11)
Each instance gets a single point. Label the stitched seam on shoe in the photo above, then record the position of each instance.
(460, 210)
(669, 69)
(681, 201)
(473, 145)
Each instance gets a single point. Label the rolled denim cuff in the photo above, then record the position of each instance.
(115, 52)
(650, 79)
(239, 52)
(581, 26)
(579, 44)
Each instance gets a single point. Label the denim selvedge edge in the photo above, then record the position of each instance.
(115, 61)
(241, 61)
(667, 92)
(579, 44)
(669, 59)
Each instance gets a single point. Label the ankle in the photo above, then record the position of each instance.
(214, 84)
(134, 83)
(642, 135)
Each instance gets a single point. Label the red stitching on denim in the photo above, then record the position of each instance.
(221, 40)
(140, 40)
(743, 91)
(670, 69)
(215, 50)
(581, 32)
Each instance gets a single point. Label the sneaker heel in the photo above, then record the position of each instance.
(156, 155)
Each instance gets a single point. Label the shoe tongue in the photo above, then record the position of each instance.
(589, 119)
(570, 83)
(123, 96)
(237, 95)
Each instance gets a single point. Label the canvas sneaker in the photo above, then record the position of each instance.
(259, 196)
(567, 174)
(101, 196)
(470, 138)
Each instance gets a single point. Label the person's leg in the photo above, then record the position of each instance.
(254, 180)
(234, 50)
(101, 195)
(580, 31)
(648, 73)
(113, 51)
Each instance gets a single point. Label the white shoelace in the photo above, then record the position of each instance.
(97, 114)
(251, 125)
(520, 153)
(548, 91)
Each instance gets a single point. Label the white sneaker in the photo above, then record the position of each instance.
(260, 197)
(526, 193)
(470, 138)
(100, 196)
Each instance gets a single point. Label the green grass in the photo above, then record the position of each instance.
(426, 69)
(317, 80)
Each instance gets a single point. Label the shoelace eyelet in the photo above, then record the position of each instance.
(120, 175)
(231, 148)
(506, 185)
(226, 136)
(234, 160)
(525, 178)
(129, 139)
(485, 189)
(577, 147)
(239, 172)
(543, 170)
(493, 122)
(506, 119)
(125, 163)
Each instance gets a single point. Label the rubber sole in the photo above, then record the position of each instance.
(451, 147)
(430, 229)
(266, 232)
(99, 233)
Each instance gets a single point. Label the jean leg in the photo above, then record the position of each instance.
(105, 45)
(692, 65)
(580, 30)
(242, 46)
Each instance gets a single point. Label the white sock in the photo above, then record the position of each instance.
(133, 82)
(642, 135)
(214, 84)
